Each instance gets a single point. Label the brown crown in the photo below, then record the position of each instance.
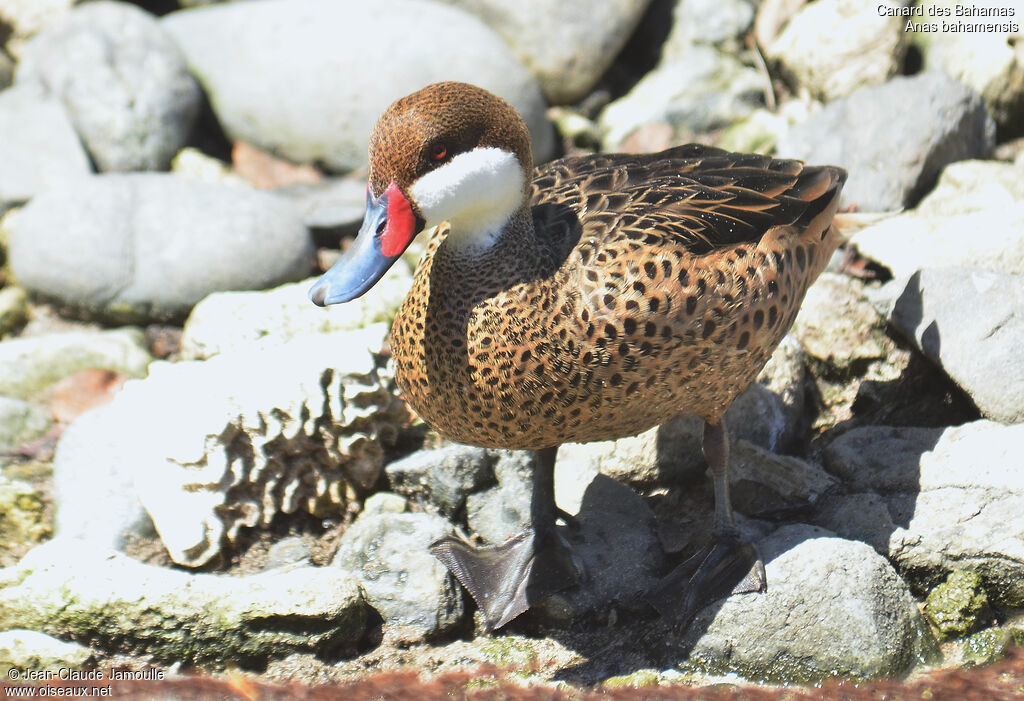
(458, 116)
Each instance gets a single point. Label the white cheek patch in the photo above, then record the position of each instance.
(476, 191)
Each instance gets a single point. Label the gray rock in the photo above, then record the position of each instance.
(762, 482)
(616, 542)
(718, 23)
(409, 588)
(332, 209)
(502, 511)
(20, 422)
(271, 70)
(126, 606)
(123, 81)
(833, 608)
(300, 440)
(949, 499)
(40, 148)
(974, 217)
(991, 62)
(970, 322)
(568, 45)
(22, 651)
(31, 364)
(232, 321)
(839, 328)
(892, 163)
(863, 48)
(149, 246)
(700, 91)
(288, 552)
(442, 477)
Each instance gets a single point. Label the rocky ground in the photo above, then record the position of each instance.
(204, 473)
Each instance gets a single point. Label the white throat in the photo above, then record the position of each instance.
(476, 192)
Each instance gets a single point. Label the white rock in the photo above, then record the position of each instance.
(40, 148)
(148, 246)
(974, 217)
(991, 62)
(30, 364)
(122, 80)
(862, 48)
(26, 650)
(228, 321)
(566, 45)
(949, 499)
(278, 76)
(833, 607)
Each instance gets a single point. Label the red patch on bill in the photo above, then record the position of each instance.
(401, 226)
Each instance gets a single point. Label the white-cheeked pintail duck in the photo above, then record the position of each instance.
(588, 299)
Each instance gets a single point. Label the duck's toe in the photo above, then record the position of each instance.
(506, 579)
(727, 565)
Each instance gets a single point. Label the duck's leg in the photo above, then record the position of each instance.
(503, 579)
(727, 564)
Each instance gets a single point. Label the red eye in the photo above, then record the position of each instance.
(438, 151)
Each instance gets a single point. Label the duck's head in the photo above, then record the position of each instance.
(449, 152)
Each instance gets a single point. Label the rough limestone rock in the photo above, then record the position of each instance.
(833, 608)
(31, 364)
(411, 590)
(121, 605)
(40, 148)
(300, 439)
(566, 45)
(271, 70)
(142, 246)
(970, 322)
(935, 501)
(240, 320)
(123, 81)
(20, 422)
(974, 217)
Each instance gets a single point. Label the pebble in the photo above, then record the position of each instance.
(300, 110)
(123, 81)
(970, 322)
(833, 607)
(24, 519)
(148, 246)
(410, 589)
(40, 149)
(892, 163)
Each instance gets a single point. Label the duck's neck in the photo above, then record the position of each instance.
(507, 235)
